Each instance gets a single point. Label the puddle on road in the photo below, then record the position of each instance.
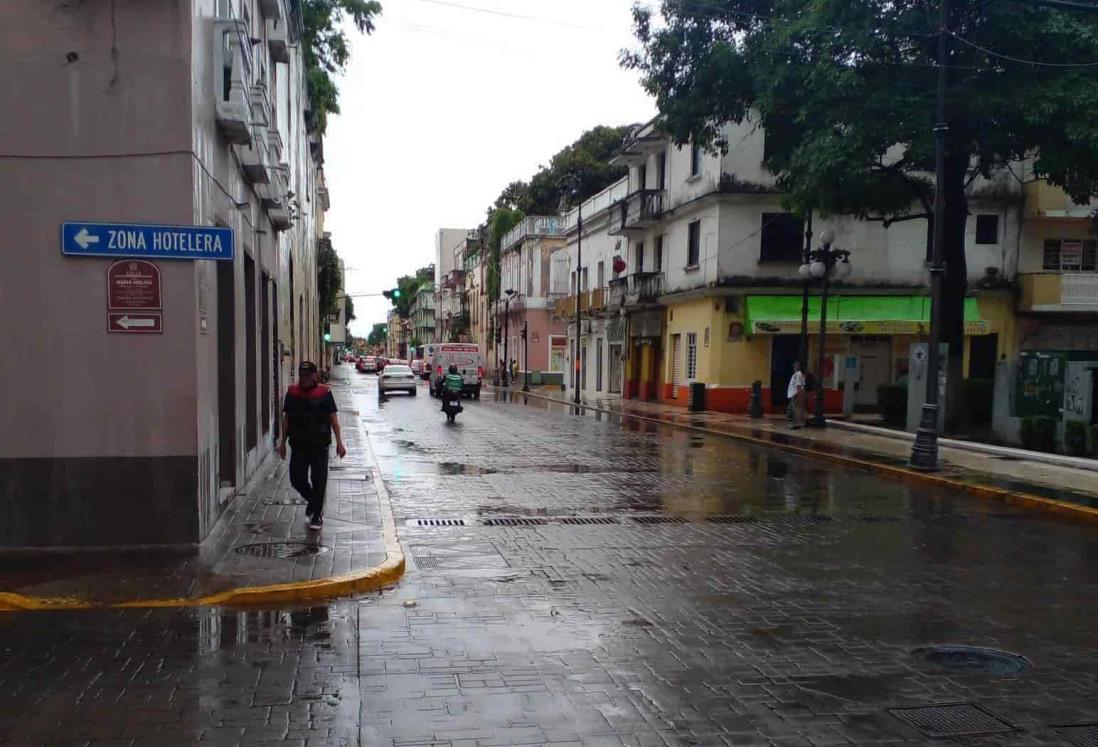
(465, 470)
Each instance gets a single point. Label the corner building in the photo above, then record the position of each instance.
(177, 112)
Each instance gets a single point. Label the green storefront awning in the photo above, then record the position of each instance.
(853, 315)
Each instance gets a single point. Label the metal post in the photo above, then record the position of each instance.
(818, 419)
(526, 351)
(803, 357)
(506, 334)
(924, 453)
(579, 284)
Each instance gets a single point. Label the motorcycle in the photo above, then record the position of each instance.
(451, 405)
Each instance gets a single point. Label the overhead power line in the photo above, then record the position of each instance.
(1036, 63)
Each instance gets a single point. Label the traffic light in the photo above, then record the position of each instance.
(396, 292)
(392, 295)
(327, 337)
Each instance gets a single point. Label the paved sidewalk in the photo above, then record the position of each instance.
(1014, 473)
(260, 542)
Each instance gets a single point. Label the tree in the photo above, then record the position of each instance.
(409, 285)
(348, 310)
(378, 335)
(328, 279)
(327, 50)
(845, 92)
(500, 221)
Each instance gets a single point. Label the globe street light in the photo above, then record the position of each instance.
(823, 263)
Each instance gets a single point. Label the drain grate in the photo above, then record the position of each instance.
(282, 550)
(659, 519)
(973, 659)
(515, 521)
(440, 522)
(282, 502)
(588, 520)
(1080, 735)
(876, 518)
(952, 720)
(733, 519)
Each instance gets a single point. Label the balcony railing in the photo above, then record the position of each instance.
(639, 210)
(534, 225)
(1053, 291)
(638, 289)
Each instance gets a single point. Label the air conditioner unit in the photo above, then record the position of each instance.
(233, 110)
(277, 40)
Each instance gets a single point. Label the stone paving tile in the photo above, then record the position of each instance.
(796, 628)
(352, 535)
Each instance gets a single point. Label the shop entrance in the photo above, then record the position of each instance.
(876, 368)
(784, 350)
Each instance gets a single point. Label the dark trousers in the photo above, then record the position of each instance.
(309, 476)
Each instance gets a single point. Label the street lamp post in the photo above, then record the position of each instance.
(506, 334)
(526, 354)
(823, 262)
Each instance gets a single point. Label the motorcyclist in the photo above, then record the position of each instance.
(452, 384)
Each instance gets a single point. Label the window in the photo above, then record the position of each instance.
(1071, 255)
(583, 365)
(659, 253)
(691, 356)
(642, 176)
(614, 384)
(602, 274)
(572, 283)
(693, 244)
(781, 238)
(598, 365)
(661, 171)
(695, 159)
(640, 257)
(987, 229)
(586, 278)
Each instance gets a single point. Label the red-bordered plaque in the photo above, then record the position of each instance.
(133, 285)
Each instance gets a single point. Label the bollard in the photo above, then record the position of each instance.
(755, 406)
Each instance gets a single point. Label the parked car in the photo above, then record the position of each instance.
(469, 362)
(367, 364)
(417, 367)
(396, 378)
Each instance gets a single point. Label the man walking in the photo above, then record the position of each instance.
(308, 420)
(796, 395)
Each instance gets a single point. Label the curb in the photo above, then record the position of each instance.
(1015, 498)
(1056, 460)
(371, 579)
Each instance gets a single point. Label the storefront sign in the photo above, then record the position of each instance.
(791, 327)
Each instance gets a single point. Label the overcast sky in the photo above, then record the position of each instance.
(445, 104)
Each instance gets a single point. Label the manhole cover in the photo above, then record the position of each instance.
(1080, 735)
(952, 720)
(588, 520)
(282, 502)
(280, 549)
(659, 519)
(514, 521)
(973, 659)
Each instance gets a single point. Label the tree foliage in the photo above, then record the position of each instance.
(348, 309)
(378, 335)
(845, 92)
(409, 285)
(327, 49)
(328, 279)
(500, 221)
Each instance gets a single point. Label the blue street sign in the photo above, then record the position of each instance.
(147, 242)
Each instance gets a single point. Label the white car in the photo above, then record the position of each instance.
(396, 378)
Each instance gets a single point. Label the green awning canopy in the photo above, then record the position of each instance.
(853, 315)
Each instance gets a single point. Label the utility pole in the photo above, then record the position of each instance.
(924, 453)
(526, 353)
(803, 355)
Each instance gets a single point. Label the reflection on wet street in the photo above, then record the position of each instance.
(574, 578)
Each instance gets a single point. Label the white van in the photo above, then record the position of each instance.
(467, 358)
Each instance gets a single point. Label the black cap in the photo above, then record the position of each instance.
(306, 367)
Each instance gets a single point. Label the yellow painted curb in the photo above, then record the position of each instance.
(348, 584)
(1027, 500)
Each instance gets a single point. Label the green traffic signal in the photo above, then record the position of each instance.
(396, 293)
(327, 337)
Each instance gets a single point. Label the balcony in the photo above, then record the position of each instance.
(635, 291)
(1058, 292)
(233, 109)
(639, 210)
(277, 40)
(271, 8)
(534, 225)
(254, 157)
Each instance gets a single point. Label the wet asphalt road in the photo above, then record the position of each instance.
(576, 580)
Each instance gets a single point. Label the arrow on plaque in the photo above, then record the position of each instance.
(125, 322)
(84, 237)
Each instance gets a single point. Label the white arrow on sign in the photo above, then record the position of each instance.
(125, 322)
(83, 238)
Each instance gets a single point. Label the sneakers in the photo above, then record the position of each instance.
(316, 524)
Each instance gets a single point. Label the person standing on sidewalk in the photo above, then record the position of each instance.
(308, 420)
(796, 395)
